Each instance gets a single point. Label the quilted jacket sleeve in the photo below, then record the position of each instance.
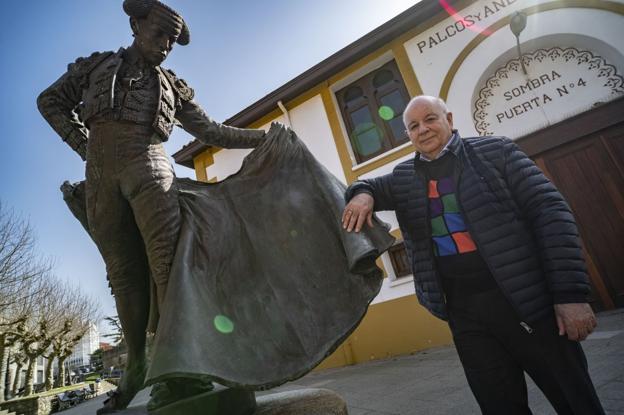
(553, 226)
(378, 187)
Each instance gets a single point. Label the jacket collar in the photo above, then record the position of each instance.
(454, 146)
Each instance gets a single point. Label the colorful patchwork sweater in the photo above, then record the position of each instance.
(520, 224)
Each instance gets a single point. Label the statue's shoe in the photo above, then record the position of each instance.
(115, 402)
(174, 390)
(131, 383)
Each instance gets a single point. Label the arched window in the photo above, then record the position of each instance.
(372, 109)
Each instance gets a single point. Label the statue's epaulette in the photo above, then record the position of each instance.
(86, 65)
(184, 91)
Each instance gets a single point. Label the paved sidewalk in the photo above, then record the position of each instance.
(433, 382)
(90, 406)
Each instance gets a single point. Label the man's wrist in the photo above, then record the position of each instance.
(569, 298)
(357, 188)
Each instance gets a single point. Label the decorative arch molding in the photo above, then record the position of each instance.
(557, 74)
(617, 8)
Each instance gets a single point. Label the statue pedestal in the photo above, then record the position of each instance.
(301, 402)
(219, 401)
(224, 401)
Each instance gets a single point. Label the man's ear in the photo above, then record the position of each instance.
(134, 25)
(449, 118)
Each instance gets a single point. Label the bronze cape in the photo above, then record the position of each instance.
(265, 251)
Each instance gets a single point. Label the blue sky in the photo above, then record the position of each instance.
(239, 52)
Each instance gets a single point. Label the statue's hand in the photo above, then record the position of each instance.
(276, 126)
(67, 188)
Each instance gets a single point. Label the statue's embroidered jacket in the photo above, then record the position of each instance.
(88, 90)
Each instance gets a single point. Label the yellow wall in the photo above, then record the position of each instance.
(201, 161)
(391, 328)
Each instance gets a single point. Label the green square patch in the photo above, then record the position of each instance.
(438, 227)
(450, 204)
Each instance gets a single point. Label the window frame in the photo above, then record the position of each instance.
(371, 99)
(399, 271)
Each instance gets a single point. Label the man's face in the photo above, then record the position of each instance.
(152, 41)
(429, 128)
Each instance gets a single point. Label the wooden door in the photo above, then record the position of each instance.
(589, 172)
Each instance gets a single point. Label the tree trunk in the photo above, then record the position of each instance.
(32, 362)
(16, 381)
(3, 366)
(10, 380)
(60, 382)
(49, 372)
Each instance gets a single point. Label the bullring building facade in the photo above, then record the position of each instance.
(548, 74)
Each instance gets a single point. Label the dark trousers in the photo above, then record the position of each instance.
(495, 351)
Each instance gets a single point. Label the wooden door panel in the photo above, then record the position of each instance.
(588, 174)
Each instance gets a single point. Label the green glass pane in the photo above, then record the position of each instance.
(361, 116)
(366, 137)
(398, 129)
(368, 140)
(395, 101)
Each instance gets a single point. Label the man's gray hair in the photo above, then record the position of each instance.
(437, 100)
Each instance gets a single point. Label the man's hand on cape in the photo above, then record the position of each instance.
(577, 320)
(358, 210)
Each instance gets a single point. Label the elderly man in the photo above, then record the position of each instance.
(115, 109)
(495, 251)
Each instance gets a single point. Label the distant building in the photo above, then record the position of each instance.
(105, 346)
(89, 343)
(38, 375)
(115, 357)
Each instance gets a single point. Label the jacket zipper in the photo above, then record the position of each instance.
(430, 239)
(524, 325)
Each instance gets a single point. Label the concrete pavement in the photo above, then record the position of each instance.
(432, 382)
(90, 406)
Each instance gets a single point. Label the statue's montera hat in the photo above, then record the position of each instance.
(166, 17)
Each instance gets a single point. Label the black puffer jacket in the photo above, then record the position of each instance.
(521, 224)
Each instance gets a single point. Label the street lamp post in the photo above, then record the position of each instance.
(517, 25)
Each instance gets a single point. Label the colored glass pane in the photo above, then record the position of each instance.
(366, 136)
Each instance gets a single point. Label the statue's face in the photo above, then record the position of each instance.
(152, 41)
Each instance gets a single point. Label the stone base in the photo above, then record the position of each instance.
(302, 402)
(223, 401)
(219, 401)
